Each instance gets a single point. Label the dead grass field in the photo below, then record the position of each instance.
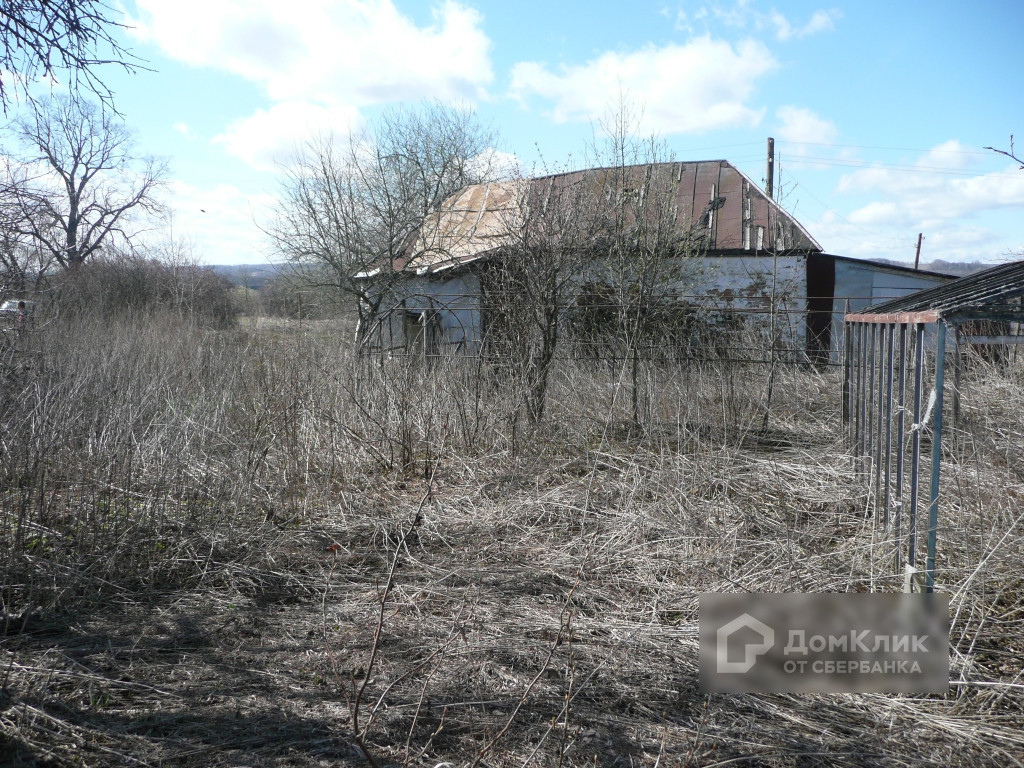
(241, 548)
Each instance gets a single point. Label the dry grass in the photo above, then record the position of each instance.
(198, 530)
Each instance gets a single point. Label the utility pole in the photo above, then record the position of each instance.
(917, 256)
(769, 185)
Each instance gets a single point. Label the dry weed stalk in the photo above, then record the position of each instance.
(544, 609)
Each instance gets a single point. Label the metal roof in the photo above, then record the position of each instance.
(480, 219)
(995, 289)
(902, 269)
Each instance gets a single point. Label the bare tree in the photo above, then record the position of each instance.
(88, 178)
(22, 261)
(550, 235)
(603, 250)
(649, 249)
(57, 40)
(356, 209)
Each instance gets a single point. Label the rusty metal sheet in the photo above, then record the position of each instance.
(686, 181)
(706, 186)
(898, 318)
(729, 232)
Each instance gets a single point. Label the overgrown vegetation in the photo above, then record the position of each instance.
(131, 284)
(251, 546)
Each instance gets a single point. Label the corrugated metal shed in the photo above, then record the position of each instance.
(993, 291)
(858, 284)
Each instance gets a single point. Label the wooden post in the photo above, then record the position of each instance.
(917, 256)
(769, 184)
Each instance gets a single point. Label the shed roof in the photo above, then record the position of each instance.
(991, 291)
(479, 220)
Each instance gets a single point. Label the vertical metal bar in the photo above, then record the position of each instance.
(879, 426)
(898, 521)
(877, 404)
(861, 368)
(958, 364)
(847, 363)
(915, 460)
(933, 505)
(858, 361)
(850, 333)
(869, 397)
(890, 363)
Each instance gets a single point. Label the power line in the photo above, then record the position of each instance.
(872, 164)
(892, 149)
(833, 211)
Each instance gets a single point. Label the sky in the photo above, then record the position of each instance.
(880, 110)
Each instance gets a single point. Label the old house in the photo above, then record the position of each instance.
(754, 256)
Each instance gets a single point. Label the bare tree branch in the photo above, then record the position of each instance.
(610, 237)
(90, 180)
(66, 40)
(22, 261)
(1010, 154)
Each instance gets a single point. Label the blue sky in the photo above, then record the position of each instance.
(880, 110)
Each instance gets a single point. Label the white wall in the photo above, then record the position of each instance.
(451, 303)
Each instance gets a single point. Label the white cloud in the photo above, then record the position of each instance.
(220, 222)
(943, 239)
(882, 213)
(820, 21)
(268, 137)
(801, 125)
(328, 51)
(918, 196)
(700, 86)
(742, 15)
(951, 155)
(183, 129)
(738, 15)
(496, 164)
(937, 184)
(960, 213)
(319, 61)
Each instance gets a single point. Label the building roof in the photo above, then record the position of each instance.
(901, 269)
(482, 219)
(991, 291)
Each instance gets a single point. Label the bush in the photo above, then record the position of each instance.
(129, 284)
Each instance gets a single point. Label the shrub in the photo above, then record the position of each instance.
(128, 284)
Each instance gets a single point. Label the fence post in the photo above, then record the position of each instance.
(933, 506)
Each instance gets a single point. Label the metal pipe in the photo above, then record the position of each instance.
(879, 426)
(890, 362)
(869, 399)
(958, 364)
(853, 331)
(862, 362)
(847, 363)
(898, 518)
(915, 459)
(933, 505)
